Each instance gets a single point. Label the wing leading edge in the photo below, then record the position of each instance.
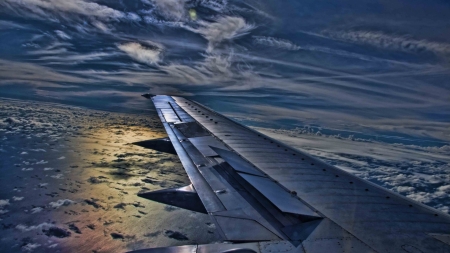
(265, 196)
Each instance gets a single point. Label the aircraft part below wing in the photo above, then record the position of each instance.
(265, 196)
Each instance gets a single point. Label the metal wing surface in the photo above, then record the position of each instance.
(265, 196)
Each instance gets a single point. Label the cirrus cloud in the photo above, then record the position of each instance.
(43, 8)
(387, 41)
(225, 28)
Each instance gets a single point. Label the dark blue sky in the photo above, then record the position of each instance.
(379, 69)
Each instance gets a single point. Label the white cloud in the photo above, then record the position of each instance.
(25, 228)
(17, 198)
(61, 158)
(52, 246)
(140, 53)
(57, 176)
(41, 162)
(224, 28)
(63, 35)
(276, 42)
(29, 247)
(80, 7)
(4, 202)
(61, 202)
(387, 41)
(36, 210)
(171, 9)
(38, 150)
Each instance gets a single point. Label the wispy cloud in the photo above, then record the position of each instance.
(16, 72)
(44, 8)
(11, 25)
(141, 53)
(63, 35)
(171, 9)
(224, 28)
(276, 42)
(387, 41)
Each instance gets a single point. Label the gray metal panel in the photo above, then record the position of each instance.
(282, 247)
(282, 199)
(238, 163)
(175, 249)
(230, 248)
(204, 144)
(241, 230)
(191, 129)
(445, 238)
(329, 237)
(169, 115)
(207, 196)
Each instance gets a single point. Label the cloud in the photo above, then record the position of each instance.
(214, 68)
(4, 202)
(59, 7)
(61, 202)
(17, 198)
(11, 25)
(25, 228)
(33, 74)
(276, 42)
(29, 247)
(63, 35)
(171, 9)
(58, 176)
(140, 53)
(36, 210)
(224, 28)
(387, 41)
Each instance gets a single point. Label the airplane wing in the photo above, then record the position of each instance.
(265, 196)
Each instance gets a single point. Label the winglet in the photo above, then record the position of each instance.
(185, 197)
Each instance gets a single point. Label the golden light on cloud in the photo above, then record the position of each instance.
(82, 174)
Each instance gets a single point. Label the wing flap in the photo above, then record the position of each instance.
(285, 201)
